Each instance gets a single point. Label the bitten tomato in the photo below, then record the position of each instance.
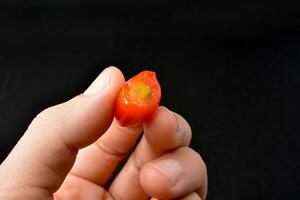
(138, 99)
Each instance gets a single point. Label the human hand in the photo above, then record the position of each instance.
(71, 150)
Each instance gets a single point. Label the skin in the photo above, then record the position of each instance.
(71, 150)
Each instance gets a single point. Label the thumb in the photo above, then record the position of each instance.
(46, 152)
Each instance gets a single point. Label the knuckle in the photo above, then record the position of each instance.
(138, 162)
(109, 150)
(45, 119)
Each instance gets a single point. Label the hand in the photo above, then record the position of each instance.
(71, 150)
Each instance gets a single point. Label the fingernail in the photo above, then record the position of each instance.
(179, 130)
(170, 168)
(99, 83)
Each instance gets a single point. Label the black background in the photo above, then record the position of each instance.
(232, 68)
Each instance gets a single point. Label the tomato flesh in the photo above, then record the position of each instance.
(138, 98)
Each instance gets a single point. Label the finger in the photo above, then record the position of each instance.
(161, 138)
(174, 175)
(97, 162)
(192, 196)
(47, 151)
(77, 188)
(174, 131)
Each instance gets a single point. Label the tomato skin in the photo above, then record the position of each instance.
(130, 109)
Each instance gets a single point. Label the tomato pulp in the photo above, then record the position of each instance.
(138, 98)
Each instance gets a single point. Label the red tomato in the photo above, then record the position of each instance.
(138, 99)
